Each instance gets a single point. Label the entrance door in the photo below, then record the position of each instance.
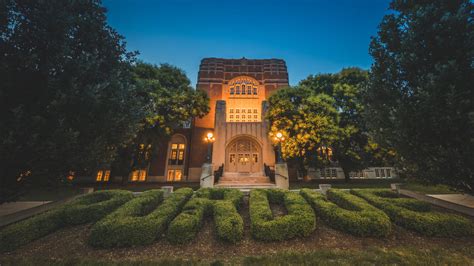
(243, 155)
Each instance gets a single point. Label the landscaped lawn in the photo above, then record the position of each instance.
(325, 245)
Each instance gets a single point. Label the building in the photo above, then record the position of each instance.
(238, 90)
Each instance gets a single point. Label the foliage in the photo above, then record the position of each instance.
(66, 85)
(300, 220)
(221, 203)
(416, 215)
(348, 213)
(139, 221)
(307, 120)
(420, 97)
(88, 208)
(92, 207)
(170, 102)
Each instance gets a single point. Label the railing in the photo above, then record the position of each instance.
(218, 173)
(269, 172)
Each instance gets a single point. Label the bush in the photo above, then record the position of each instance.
(91, 206)
(300, 220)
(346, 212)
(414, 215)
(139, 221)
(222, 203)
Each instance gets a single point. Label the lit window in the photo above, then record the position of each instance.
(249, 116)
(99, 175)
(255, 111)
(237, 116)
(174, 175)
(231, 116)
(170, 176)
(255, 116)
(107, 175)
(177, 175)
(135, 175)
(176, 156)
(237, 111)
(231, 111)
(142, 175)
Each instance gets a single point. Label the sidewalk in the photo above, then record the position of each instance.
(13, 207)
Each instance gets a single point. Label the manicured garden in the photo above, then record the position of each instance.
(225, 225)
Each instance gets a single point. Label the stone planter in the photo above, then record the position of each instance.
(168, 190)
(324, 188)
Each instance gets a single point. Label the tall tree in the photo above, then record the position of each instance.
(308, 121)
(170, 102)
(345, 88)
(67, 99)
(420, 100)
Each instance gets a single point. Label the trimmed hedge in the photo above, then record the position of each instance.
(415, 215)
(222, 203)
(346, 212)
(300, 220)
(139, 221)
(87, 208)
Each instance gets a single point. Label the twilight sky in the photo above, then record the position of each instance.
(312, 36)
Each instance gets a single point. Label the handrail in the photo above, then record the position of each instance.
(202, 179)
(285, 177)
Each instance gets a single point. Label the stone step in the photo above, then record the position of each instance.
(245, 179)
(246, 186)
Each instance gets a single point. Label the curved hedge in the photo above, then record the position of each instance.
(222, 203)
(415, 215)
(139, 221)
(346, 212)
(300, 220)
(87, 208)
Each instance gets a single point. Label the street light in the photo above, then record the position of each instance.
(209, 139)
(279, 138)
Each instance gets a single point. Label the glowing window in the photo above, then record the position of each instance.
(135, 175)
(237, 111)
(243, 111)
(174, 175)
(231, 111)
(142, 175)
(99, 175)
(176, 156)
(254, 111)
(107, 175)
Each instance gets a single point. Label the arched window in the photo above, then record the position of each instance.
(237, 90)
(176, 158)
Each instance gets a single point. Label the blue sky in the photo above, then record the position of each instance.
(311, 36)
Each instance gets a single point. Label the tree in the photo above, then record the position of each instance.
(170, 102)
(307, 120)
(345, 88)
(420, 98)
(68, 101)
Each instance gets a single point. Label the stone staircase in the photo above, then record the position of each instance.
(245, 181)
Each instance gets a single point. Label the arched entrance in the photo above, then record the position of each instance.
(243, 155)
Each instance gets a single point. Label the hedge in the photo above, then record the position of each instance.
(346, 212)
(300, 220)
(222, 203)
(87, 208)
(415, 215)
(139, 221)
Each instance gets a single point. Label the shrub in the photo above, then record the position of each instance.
(92, 207)
(139, 221)
(346, 212)
(97, 204)
(222, 203)
(300, 220)
(414, 215)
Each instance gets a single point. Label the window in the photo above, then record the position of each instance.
(174, 175)
(388, 173)
(243, 111)
(107, 175)
(255, 111)
(254, 91)
(231, 111)
(231, 116)
(249, 90)
(334, 174)
(237, 111)
(243, 89)
(237, 90)
(232, 91)
(176, 154)
(377, 173)
(382, 172)
(249, 116)
(255, 116)
(139, 175)
(237, 117)
(98, 177)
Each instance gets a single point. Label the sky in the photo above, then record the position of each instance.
(312, 36)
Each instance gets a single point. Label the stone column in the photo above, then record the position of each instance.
(282, 180)
(207, 175)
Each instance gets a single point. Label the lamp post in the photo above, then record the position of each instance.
(279, 138)
(209, 139)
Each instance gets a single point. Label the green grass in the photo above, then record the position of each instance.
(371, 256)
(429, 189)
(49, 193)
(361, 183)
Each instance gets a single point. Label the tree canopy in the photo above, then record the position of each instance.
(420, 100)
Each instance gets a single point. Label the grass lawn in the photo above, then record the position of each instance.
(340, 183)
(49, 193)
(429, 189)
(324, 246)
